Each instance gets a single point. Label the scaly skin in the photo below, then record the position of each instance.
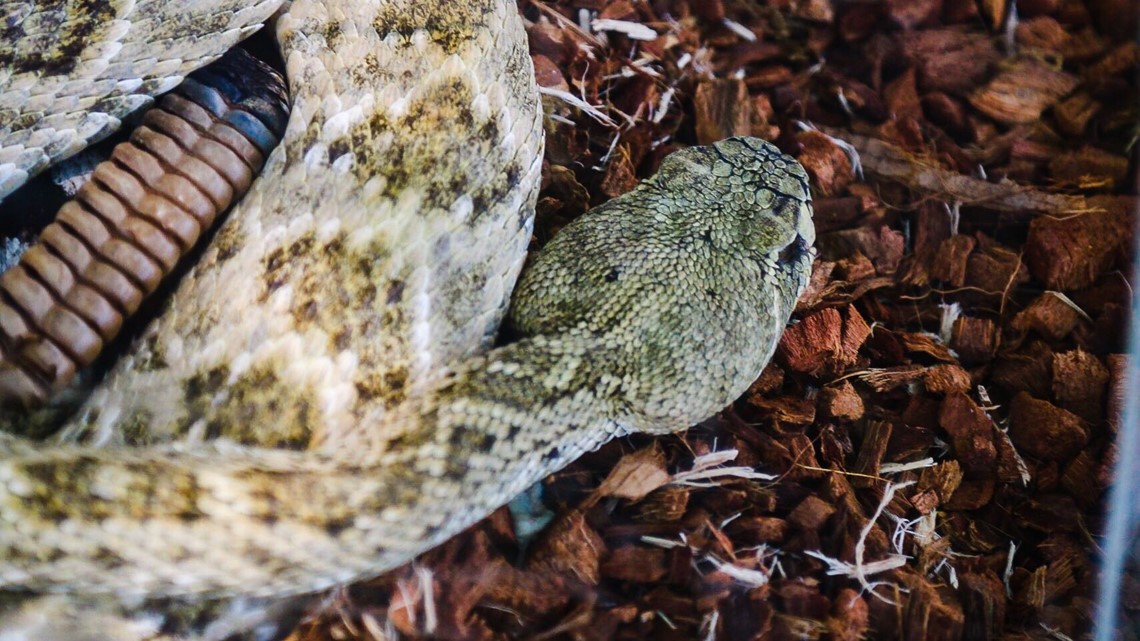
(316, 404)
(70, 71)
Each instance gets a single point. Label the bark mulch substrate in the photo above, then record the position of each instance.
(927, 455)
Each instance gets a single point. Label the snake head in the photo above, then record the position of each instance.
(681, 286)
(755, 198)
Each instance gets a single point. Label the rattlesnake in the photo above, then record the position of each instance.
(318, 402)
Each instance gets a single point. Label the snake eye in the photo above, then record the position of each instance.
(794, 251)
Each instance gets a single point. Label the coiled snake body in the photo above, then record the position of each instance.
(317, 403)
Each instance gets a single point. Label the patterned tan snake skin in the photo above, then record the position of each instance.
(318, 402)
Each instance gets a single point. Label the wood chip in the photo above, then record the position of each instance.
(841, 402)
(635, 475)
(1044, 430)
(722, 110)
(569, 546)
(826, 162)
(974, 339)
(951, 60)
(1021, 93)
(1080, 383)
(636, 563)
(950, 261)
(1049, 315)
(971, 434)
(889, 162)
(1072, 252)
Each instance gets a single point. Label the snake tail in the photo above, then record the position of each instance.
(144, 209)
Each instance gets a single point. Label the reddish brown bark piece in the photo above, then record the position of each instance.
(932, 226)
(946, 379)
(947, 112)
(722, 110)
(563, 199)
(1049, 316)
(548, 74)
(635, 475)
(548, 40)
(802, 599)
(836, 213)
(636, 563)
(826, 162)
(460, 575)
(927, 345)
(811, 513)
(855, 267)
(1081, 479)
(755, 52)
(532, 593)
(850, 616)
(569, 546)
(902, 96)
(855, 333)
(971, 434)
(762, 116)
(1043, 32)
(1117, 18)
(1045, 584)
(983, 603)
(769, 77)
(817, 10)
(890, 162)
(664, 505)
(711, 10)
(888, 378)
(1011, 467)
(950, 260)
(1034, 152)
(932, 614)
(823, 342)
(785, 409)
(974, 339)
(960, 11)
(1021, 93)
(1123, 58)
(1080, 382)
(1089, 168)
(770, 380)
(1029, 369)
(619, 10)
(620, 176)
(936, 484)
(1072, 252)
(1074, 113)
(950, 60)
(995, 269)
(841, 402)
(761, 529)
(909, 14)
(818, 286)
(876, 437)
(1044, 430)
(884, 246)
(970, 495)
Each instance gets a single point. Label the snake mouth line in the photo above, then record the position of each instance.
(144, 209)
